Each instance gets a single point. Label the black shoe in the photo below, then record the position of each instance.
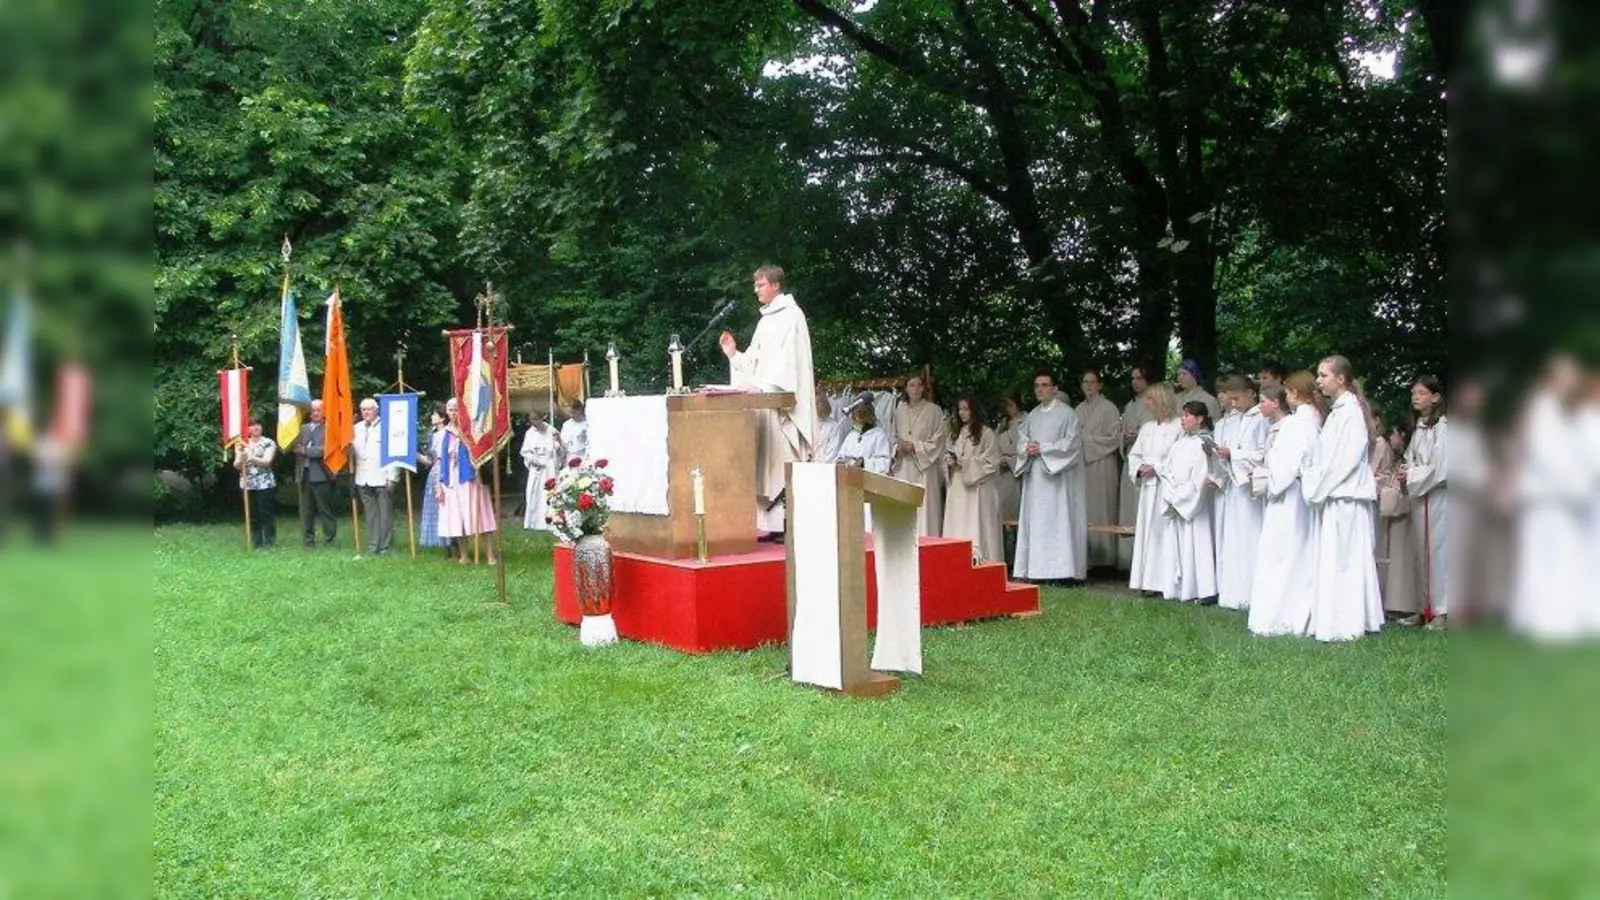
(775, 537)
(1207, 601)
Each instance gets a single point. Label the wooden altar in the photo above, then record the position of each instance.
(717, 433)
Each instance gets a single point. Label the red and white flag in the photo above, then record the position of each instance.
(235, 405)
(73, 398)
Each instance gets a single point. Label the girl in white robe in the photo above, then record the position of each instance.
(1281, 591)
(972, 466)
(1549, 597)
(1425, 476)
(1008, 484)
(1151, 566)
(919, 446)
(1338, 486)
(1240, 448)
(1188, 479)
(541, 453)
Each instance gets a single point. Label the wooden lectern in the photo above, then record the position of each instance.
(828, 581)
(717, 433)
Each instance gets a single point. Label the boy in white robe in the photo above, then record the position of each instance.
(542, 454)
(777, 360)
(1188, 479)
(1241, 444)
(832, 426)
(1053, 531)
(1282, 591)
(1338, 486)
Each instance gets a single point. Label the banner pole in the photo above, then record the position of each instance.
(500, 545)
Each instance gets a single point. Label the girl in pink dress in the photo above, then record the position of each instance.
(465, 508)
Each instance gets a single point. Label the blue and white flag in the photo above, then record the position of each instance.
(294, 387)
(397, 433)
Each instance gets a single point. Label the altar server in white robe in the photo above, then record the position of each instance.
(542, 454)
(1339, 487)
(575, 432)
(1550, 596)
(1425, 475)
(777, 360)
(1153, 550)
(1282, 592)
(832, 426)
(1102, 443)
(1008, 485)
(972, 466)
(1053, 532)
(1188, 478)
(1134, 415)
(1241, 444)
(919, 447)
(865, 446)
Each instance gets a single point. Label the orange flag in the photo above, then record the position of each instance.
(338, 410)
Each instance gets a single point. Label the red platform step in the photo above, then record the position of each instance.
(737, 602)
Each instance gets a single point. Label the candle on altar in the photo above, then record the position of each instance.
(675, 348)
(611, 365)
(699, 492)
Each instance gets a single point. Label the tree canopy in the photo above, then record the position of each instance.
(981, 185)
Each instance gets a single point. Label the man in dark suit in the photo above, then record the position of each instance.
(316, 482)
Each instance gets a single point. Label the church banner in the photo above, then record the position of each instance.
(478, 377)
(397, 435)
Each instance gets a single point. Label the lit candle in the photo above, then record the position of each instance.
(699, 492)
(675, 349)
(611, 365)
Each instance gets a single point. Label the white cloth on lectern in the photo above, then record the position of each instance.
(816, 645)
(630, 433)
(895, 564)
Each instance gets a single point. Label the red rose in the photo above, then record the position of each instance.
(600, 463)
(585, 500)
(549, 484)
(574, 462)
(605, 485)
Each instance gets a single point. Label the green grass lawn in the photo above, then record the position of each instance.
(332, 727)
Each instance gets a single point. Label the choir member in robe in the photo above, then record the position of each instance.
(1153, 550)
(1339, 488)
(972, 466)
(1550, 596)
(575, 432)
(1589, 443)
(1007, 484)
(542, 454)
(1241, 445)
(1188, 481)
(1053, 531)
(1102, 444)
(919, 447)
(1134, 415)
(1189, 388)
(832, 426)
(1270, 373)
(865, 446)
(1281, 592)
(777, 360)
(1398, 570)
(1424, 476)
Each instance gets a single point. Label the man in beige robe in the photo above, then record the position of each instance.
(1134, 415)
(1101, 427)
(777, 360)
(919, 446)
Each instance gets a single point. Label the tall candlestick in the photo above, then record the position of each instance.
(611, 366)
(699, 482)
(675, 350)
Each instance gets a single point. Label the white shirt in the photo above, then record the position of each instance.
(367, 442)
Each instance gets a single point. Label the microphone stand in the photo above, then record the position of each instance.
(688, 348)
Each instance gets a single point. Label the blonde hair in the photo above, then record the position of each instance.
(1341, 367)
(1163, 402)
(1305, 384)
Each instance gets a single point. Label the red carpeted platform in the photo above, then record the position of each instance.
(737, 602)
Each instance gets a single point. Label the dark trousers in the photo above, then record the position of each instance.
(264, 517)
(377, 510)
(316, 505)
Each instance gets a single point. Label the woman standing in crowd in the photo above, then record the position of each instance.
(1397, 565)
(430, 489)
(1187, 481)
(1280, 593)
(1008, 484)
(972, 504)
(919, 451)
(465, 509)
(1339, 488)
(253, 458)
(1425, 477)
(1153, 559)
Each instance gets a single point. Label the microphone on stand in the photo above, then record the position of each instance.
(688, 348)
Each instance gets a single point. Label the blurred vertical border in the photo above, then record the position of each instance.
(76, 239)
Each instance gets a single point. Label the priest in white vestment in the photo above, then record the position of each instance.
(1241, 444)
(1188, 485)
(1053, 531)
(542, 454)
(1151, 566)
(1425, 475)
(1102, 458)
(1134, 414)
(919, 447)
(1338, 486)
(972, 466)
(1282, 592)
(777, 360)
